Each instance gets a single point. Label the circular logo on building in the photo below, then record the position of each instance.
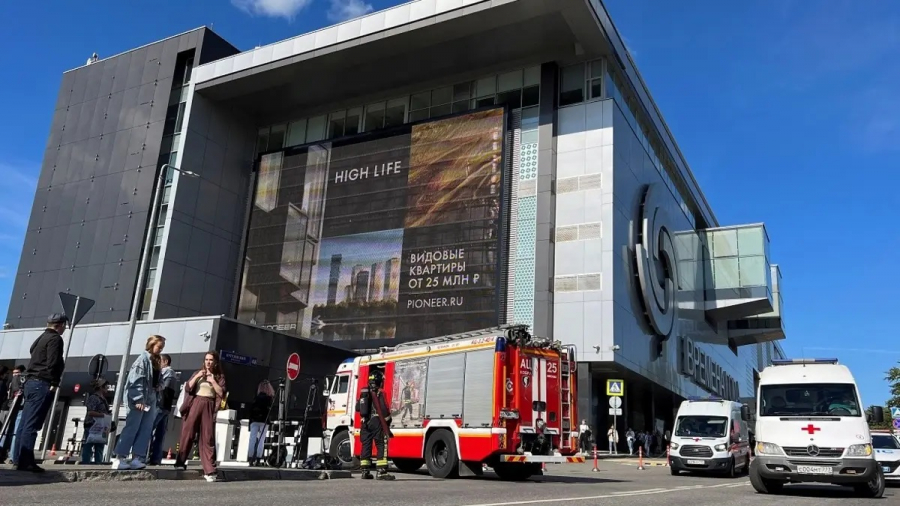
(652, 262)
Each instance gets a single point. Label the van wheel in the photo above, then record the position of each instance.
(441, 456)
(732, 468)
(340, 449)
(764, 486)
(408, 465)
(873, 489)
(675, 472)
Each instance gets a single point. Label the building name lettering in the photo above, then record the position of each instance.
(705, 372)
(377, 170)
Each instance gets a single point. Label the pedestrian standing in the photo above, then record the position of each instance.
(140, 400)
(42, 378)
(612, 436)
(8, 440)
(203, 396)
(585, 436)
(375, 419)
(259, 421)
(168, 391)
(629, 438)
(94, 441)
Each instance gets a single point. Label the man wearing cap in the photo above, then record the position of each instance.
(41, 378)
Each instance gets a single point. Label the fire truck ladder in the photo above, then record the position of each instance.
(568, 387)
(474, 334)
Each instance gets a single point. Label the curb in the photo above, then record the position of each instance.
(12, 477)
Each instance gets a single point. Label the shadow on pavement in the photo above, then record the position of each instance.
(572, 479)
(828, 491)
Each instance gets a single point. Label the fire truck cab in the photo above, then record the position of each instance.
(496, 396)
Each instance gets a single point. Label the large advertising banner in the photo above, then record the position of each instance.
(390, 236)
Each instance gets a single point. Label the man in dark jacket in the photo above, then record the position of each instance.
(41, 379)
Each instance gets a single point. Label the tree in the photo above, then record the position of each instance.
(893, 378)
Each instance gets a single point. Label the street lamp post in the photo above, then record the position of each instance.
(136, 303)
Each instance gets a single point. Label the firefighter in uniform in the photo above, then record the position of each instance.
(375, 415)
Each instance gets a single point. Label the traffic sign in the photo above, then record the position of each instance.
(75, 307)
(897, 423)
(98, 365)
(615, 411)
(615, 402)
(615, 388)
(895, 412)
(293, 366)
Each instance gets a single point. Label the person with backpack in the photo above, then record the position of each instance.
(259, 421)
(168, 392)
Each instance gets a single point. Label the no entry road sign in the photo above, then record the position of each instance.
(293, 366)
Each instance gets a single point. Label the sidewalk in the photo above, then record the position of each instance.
(57, 473)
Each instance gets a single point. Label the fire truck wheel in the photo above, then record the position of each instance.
(340, 449)
(441, 456)
(408, 465)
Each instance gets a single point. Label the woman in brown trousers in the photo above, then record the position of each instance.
(203, 396)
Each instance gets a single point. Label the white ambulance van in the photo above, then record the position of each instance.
(811, 427)
(711, 435)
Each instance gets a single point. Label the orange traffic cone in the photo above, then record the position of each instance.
(53, 450)
(169, 455)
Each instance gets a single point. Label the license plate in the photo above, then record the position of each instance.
(696, 462)
(813, 470)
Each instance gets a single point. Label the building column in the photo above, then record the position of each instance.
(546, 203)
(585, 402)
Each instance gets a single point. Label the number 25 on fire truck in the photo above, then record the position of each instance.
(496, 396)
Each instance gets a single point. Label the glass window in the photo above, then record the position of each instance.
(374, 117)
(509, 81)
(530, 118)
(533, 76)
(751, 241)
(809, 399)
(596, 69)
(179, 118)
(420, 101)
(336, 124)
(725, 243)
(296, 133)
(753, 271)
(443, 95)
(485, 87)
(531, 96)
(262, 141)
(462, 91)
(485, 102)
(701, 426)
(418, 115)
(513, 99)
(463, 105)
(596, 89)
(276, 137)
(354, 117)
(395, 112)
(571, 86)
(725, 271)
(148, 296)
(315, 128)
(441, 110)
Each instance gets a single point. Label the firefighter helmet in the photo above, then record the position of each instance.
(376, 379)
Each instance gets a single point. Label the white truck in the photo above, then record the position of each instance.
(811, 427)
(711, 435)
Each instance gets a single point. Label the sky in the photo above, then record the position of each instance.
(786, 111)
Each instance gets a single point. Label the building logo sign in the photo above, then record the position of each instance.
(651, 253)
(705, 372)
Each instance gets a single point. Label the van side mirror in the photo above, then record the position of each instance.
(877, 415)
(745, 413)
(326, 390)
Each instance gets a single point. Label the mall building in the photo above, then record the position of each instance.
(436, 167)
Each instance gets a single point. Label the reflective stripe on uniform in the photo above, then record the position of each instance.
(382, 463)
(364, 462)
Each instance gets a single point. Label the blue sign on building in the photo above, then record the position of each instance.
(236, 358)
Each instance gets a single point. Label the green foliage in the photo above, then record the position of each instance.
(893, 378)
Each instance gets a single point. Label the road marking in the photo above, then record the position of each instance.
(650, 491)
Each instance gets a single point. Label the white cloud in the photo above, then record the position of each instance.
(287, 9)
(342, 10)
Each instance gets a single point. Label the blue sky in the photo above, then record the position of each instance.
(786, 110)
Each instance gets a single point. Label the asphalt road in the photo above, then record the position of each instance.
(617, 483)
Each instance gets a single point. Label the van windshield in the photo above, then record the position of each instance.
(811, 399)
(885, 442)
(701, 426)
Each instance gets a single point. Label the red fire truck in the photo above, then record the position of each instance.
(497, 396)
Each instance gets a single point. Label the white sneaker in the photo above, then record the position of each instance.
(137, 464)
(210, 478)
(120, 465)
